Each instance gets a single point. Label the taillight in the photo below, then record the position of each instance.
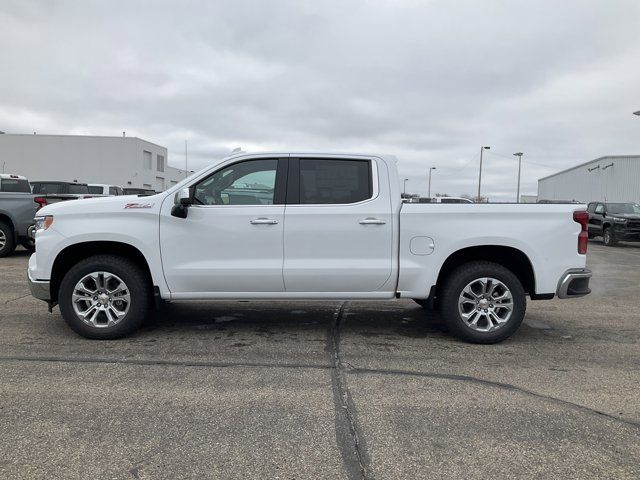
(41, 201)
(582, 217)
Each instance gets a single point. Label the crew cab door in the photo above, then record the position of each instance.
(338, 229)
(231, 239)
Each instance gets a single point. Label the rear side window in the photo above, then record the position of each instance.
(335, 181)
(75, 188)
(14, 185)
(591, 208)
(47, 188)
(95, 190)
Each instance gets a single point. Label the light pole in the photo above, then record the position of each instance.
(482, 148)
(431, 169)
(519, 155)
(405, 186)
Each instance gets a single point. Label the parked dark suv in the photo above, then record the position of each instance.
(614, 221)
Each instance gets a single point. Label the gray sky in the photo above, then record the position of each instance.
(428, 81)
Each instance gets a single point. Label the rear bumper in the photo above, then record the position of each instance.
(40, 289)
(574, 283)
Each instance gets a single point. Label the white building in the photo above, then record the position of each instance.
(123, 161)
(610, 178)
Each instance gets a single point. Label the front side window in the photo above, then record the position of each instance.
(599, 209)
(335, 181)
(113, 191)
(245, 183)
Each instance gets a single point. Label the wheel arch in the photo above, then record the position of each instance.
(511, 258)
(72, 254)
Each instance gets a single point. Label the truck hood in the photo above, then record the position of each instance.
(102, 204)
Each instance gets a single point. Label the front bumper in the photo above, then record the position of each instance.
(574, 283)
(40, 289)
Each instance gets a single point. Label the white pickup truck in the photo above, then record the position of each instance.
(304, 227)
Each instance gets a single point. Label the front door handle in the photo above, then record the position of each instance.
(263, 221)
(372, 221)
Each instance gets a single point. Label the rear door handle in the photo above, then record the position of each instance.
(372, 221)
(263, 221)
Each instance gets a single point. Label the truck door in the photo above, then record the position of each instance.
(231, 240)
(338, 228)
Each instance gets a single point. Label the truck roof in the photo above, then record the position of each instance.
(12, 176)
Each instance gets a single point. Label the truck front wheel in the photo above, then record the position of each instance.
(482, 302)
(608, 238)
(105, 297)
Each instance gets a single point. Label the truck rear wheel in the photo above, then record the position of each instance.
(105, 297)
(7, 240)
(482, 302)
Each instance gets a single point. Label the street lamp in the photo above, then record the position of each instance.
(431, 169)
(405, 186)
(519, 155)
(482, 148)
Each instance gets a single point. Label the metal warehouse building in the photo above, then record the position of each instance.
(610, 178)
(123, 161)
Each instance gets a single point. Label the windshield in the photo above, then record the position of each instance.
(614, 208)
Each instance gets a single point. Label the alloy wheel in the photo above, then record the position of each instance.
(101, 299)
(485, 304)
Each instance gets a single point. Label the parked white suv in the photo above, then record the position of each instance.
(304, 226)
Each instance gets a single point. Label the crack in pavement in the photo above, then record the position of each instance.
(349, 435)
(17, 298)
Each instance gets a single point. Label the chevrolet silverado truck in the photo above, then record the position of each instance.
(614, 221)
(304, 227)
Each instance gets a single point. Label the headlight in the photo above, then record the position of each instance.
(42, 223)
(619, 220)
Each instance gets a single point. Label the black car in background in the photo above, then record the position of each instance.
(614, 221)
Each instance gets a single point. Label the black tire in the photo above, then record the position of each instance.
(28, 245)
(453, 287)
(608, 238)
(138, 285)
(9, 240)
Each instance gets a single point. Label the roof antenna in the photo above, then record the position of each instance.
(236, 150)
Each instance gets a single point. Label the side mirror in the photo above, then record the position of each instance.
(184, 197)
(181, 207)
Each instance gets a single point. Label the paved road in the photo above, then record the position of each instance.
(325, 390)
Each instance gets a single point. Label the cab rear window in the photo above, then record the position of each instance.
(14, 185)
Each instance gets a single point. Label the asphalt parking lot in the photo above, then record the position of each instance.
(325, 390)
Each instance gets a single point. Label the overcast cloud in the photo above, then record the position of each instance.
(428, 81)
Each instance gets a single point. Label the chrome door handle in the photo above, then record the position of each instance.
(371, 221)
(263, 221)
